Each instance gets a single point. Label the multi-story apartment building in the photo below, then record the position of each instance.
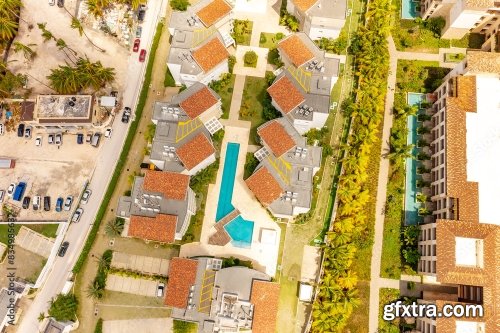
(301, 92)
(462, 248)
(200, 37)
(319, 18)
(464, 16)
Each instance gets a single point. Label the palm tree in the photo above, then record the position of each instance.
(398, 153)
(76, 24)
(41, 317)
(8, 28)
(27, 51)
(114, 227)
(94, 291)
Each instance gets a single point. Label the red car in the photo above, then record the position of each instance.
(142, 55)
(137, 42)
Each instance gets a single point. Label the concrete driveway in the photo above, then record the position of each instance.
(131, 285)
(142, 264)
(138, 325)
(34, 242)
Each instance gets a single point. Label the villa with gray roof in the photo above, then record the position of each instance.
(221, 299)
(319, 18)
(200, 37)
(301, 92)
(184, 126)
(283, 181)
(159, 207)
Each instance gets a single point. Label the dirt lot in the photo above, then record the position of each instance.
(47, 170)
(28, 266)
(49, 56)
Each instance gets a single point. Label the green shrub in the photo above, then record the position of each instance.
(180, 5)
(169, 80)
(98, 326)
(250, 164)
(123, 155)
(262, 39)
(250, 59)
(279, 36)
(231, 63)
(232, 261)
(63, 307)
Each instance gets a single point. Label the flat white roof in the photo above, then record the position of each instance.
(305, 292)
(468, 251)
(483, 147)
(469, 327)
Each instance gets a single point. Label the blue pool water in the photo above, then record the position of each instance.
(409, 9)
(239, 229)
(411, 204)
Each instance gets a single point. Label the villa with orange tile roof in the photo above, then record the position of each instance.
(200, 37)
(459, 243)
(319, 18)
(283, 180)
(159, 207)
(301, 92)
(184, 126)
(228, 299)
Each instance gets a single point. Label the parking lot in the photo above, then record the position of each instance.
(48, 170)
(131, 285)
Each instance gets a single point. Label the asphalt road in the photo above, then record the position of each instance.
(105, 164)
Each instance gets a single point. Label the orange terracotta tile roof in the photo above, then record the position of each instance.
(265, 298)
(483, 62)
(210, 55)
(160, 228)
(276, 137)
(195, 151)
(181, 276)
(304, 5)
(172, 185)
(296, 50)
(213, 12)
(264, 186)
(284, 93)
(199, 102)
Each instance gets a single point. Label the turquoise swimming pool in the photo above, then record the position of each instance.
(411, 204)
(409, 9)
(239, 229)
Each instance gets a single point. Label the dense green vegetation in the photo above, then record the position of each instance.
(337, 294)
(96, 288)
(387, 295)
(337, 46)
(251, 163)
(181, 5)
(232, 261)
(224, 88)
(123, 155)
(9, 22)
(250, 59)
(185, 327)
(98, 326)
(63, 307)
(242, 31)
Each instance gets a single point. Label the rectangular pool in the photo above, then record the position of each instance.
(409, 9)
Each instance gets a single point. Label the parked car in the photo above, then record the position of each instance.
(51, 139)
(60, 3)
(19, 191)
(63, 249)
(27, 133)
(137, 42)
(138, 32)
(160, 289)
(10, 189)
(2, 130)
(79, 138)
(77, 215)
(86, 196)
(142, 55)
(37, 200)
(89, 137)
(107, 133)
(59, 204)
(26, 202)
(95, 139)
(38, 141)
(141, 13)
(2, 195)
(20, 130)
(126, 114)
(46, 203)
(68, 202)
(52, 2)
(58, 140)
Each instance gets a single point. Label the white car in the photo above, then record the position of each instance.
(77, 215)
(36, 202)
(86, 196)
(58, 139)
(38, 141)
(11, 189)
(160, 289)
(52, 2)
(107, 133)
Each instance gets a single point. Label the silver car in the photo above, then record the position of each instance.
(77, 215)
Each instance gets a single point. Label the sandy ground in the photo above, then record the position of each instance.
(49, 56)
(27, 266)
(47, 170)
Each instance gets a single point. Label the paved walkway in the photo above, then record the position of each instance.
(376, 281)
(239, 84)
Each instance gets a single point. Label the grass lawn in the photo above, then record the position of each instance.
(169, 79)
(242, 31)
(251, 109)
(185, 327)
(251, 163)
(48, 230)
(358, 321)
(454, 57)
(269, 40)
(226, 94)
(387, 295)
